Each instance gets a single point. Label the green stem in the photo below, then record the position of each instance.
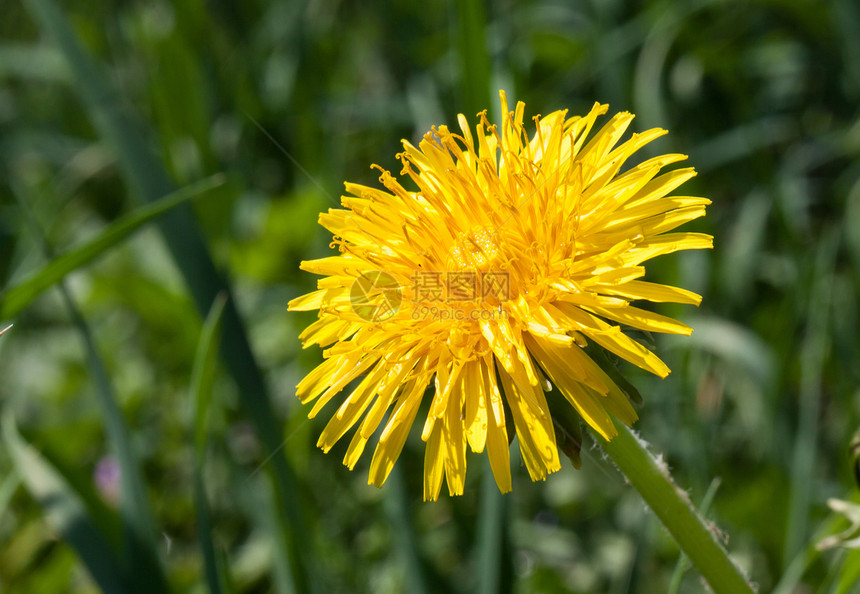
(673, 508)
(474, 59)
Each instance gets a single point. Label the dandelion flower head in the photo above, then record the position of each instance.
(478, 288)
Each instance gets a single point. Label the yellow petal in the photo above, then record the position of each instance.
(475, 397)
(666, 244)
(345, 374)
(612, 339)
(533, 424)
(454, 438)
(313, 300)
(351, 409)
(394, 435)
(654, 292)
(589, 408)
(498, 451)
(642, 319)
(354, 451)
(434, 463)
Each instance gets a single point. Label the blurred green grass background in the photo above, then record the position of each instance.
(224, 489)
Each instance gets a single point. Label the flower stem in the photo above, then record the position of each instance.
(673, 508)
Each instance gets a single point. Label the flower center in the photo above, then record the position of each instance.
(475, 250)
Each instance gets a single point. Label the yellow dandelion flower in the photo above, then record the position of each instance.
(485, 283)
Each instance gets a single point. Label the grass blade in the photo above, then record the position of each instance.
(813, 355)
(203, 375)
(202, 379)
(139, 555)
(282, 571)
(65, 510)
(474, 60)
(16, 298)
(397, 509)
(492, 535)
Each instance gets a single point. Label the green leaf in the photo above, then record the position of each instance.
(65, 510)
(813, 354)
(474, 59)
(850, 573)
(406, 540)
(17, 297)
(203, 374)
(202, 379)
(494, 549)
